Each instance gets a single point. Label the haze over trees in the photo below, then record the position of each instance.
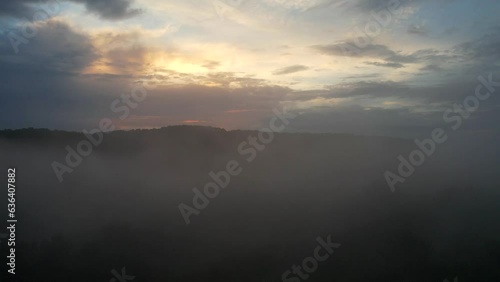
(119, 208)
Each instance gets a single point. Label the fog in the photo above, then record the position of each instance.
(120, 207)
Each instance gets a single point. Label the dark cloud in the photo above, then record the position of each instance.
(127, 59)
(325, 4)
(375, 5)
(449, 91)
(356, 119)
(478, 53)
(125, 53)
(355, 90)
(391, 58)
(400, 120)
(431, 68)
(363, 76)
(421, 56)
(45, 87)
(55, 47)
(104, 9)
(290, 69)
(79, 102)
(110, 9)
(16, 8)
(56, 100)
(367, 88)
(486, 47)
(30, 9)
(413, 109)
(349, 49)
(232, 108)
(388, 65)
(417, 29)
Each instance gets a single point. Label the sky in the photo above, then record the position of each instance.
(371, 67)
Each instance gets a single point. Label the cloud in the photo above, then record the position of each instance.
(421, 56)
(376, 89)
(388, 65)
(290, 69)
(230, 79)
(304, 5)
(431, 68)
(231, 108)
(56, 47)
(356, 119)
(403, 121)
(390, 58)
(107, 10)
(363, 76)
(220, 80)
(122, 53)
(429, 97)
(349, 49)
(366, 6)
(110, 9)
(390, 108)
(480, 53)
(417, 29)
(16, 8)
(211, 65)
(485, 47)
